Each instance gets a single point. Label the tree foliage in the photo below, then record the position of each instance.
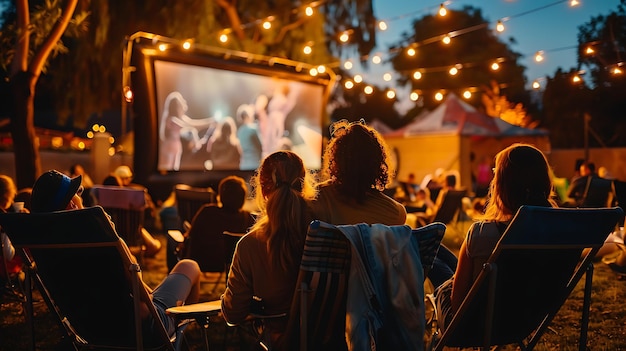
(88, 79)
(475, 47)
(602, 95)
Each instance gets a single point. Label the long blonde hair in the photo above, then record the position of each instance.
(522, 176)
(282, 187)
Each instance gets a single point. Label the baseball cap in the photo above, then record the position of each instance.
(53, 191)
(123, 172)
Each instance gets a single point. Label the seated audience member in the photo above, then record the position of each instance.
(54, 191)
(78, 170)
(122, 177)
(356, 172)
(9, 263)
(522, 177)
(267, 260)
(205, 238)
(356, 166)
(589, 190)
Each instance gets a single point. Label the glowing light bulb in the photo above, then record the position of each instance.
(387, 77)
(536, 85)
(344, 37)
(382, 25)
(417, 75)
(589, 50)
(439, 96)
(414, 96)
(162, 47)
(313, 72)
(391, 94)
(348, 84)
(539, 56)
(187, 45)
(223, 38)
(376, 59)
(453, 71)
(442, 10)
(358, 78)
(446, 40)
(308, 11)
(321, 69)
(617, 71)
(411, 52)
(267, 25)
(307, 50)
(467, 94)
(347, 64)
(95, 127)
(495, 66)
(500, 26)
(368, 90)
(576, 79)
(574, 3)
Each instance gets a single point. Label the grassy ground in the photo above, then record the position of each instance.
(607, 328)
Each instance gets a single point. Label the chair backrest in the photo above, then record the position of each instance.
(86, 276)
(600, 193)
(529, 275)
(318, 311)
(190, 199)
(450, 206)
(321, 291)
(126, 207)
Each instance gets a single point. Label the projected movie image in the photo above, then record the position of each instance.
(213, 119)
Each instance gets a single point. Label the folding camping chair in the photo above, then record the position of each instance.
(190, 199)
(126, 206)
(87, 279)
(535, 266)
(318, 311)
(451, 207)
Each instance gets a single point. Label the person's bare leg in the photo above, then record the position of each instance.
(190, 269)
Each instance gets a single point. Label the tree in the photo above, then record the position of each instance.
(601, 95)
(473, 49)
(35, 40)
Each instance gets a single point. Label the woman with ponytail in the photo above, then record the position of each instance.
(266, 261)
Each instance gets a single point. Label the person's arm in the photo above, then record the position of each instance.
(463, 277)
(8, 251)
(237, 298)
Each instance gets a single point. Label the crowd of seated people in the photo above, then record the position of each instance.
(350, 190)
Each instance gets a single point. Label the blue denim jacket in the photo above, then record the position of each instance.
(385, 306)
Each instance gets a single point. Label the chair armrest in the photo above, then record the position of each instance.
(209, 308)
(176, 235)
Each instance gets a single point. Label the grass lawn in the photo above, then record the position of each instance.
(607, 327)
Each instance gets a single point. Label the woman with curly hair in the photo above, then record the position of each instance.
(356, 171)
(267, 259)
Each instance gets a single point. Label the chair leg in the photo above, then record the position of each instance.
(584, 323)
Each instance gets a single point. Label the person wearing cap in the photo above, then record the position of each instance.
(55, 191)
(124, 174)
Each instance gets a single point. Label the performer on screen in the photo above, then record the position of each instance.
(174, 125)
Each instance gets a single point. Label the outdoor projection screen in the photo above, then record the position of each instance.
(212, 118)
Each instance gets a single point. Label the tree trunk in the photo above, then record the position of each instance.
(25, 143)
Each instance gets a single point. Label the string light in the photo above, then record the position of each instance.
(500, 26)
(348, 84)
(387, 77)
(539, 56)
(495, 66)
(368, 90)
(391, 94)
(267, 25)
(358, 78)
(536, 85)
(307, 50)
(589, 50)
(574, 3)
(308, 11)
(453, 71)
(347, 65)
(162, 47)
(467, 94)
(446, 39)
(344, 37)
(382, 25)
(442, 10)
(414, 96)
(313, 72)
(377, 59)
(438, 96)
(223, 38)
(411, 52)
(417, 75)
(187, 45)
(576, 79)
(617, 71)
